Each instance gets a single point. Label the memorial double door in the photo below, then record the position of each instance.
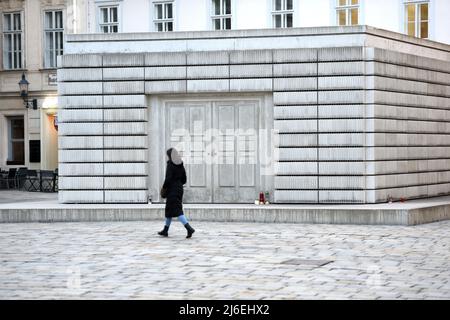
(218, 141)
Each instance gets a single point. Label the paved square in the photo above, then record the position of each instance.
(128, 260)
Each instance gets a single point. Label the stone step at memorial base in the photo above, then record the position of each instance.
(408, 213)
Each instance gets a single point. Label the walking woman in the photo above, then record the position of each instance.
(173, 190)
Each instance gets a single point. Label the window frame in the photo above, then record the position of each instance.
(54, 31)
(347, 8)
(417, 18)
(109, 24)
(222, 16)
(283, 12)
(164, 21)
(15, 60)
(11, 140)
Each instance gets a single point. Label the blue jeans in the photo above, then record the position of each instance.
(181, 218)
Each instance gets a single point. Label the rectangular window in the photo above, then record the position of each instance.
(16, 146)
(416, 19)
(163, 16)
(12, 41)
(221, 14)
(53, 37)
(282, 13)
(109, 19)
(347, 12)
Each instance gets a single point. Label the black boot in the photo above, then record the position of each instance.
(189, 229)
(164, 232)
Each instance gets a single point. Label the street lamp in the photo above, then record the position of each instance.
(23, 85)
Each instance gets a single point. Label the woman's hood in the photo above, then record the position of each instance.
(174, 156)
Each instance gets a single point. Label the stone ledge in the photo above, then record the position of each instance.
(407, 214)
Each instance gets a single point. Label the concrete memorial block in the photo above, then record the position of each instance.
(250, 56)
(341, 154)
(165, 59)
(79, 88)
(80, 156)
(130, 183)
(294, 70)
(125, 114)
(295, 196)
(176, 86)
(79, 142)
(299, 84)
(207, 57)
(294, 98)
(123, 60)
(296, 182)
(165, 73)
(439, 189)
(296, 168)
(341, 68)
(81, 60)
(341, 97)
(339, 196)
(400, 58)
(388, 167)
(130, 155)
(125, 169)
(123, 87)
(251, 71)
(342, 139)
(125, 128)
(341, 125)
(339, 83)
(208, 72)
(81, 74)
(342, 168)
(298, 140)
(77, 102)
(90, 196)
(295, 126)
(298, 154)
(127, 142)
(405, 99)
(294, 112)
(342, 182)
(294, 55)
(81, 128)
(80, 183)
(342, 111)
(123, 74)
(122, 196)
(250, 85)
(80, 169)
(125, 101)
(80, 115)
(208, 86)
(341, 54)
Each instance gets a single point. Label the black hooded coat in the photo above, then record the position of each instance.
(173, 183)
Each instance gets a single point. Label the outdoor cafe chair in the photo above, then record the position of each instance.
(47, 181)
(21, 176)
(32, 181)
(9, 179)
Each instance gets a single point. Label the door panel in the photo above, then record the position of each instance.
(234, 172)
(187, 124)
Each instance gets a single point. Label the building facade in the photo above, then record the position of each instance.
(32, 38)
(347, 114)
(418, 18)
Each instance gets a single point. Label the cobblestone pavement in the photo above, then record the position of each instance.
(223, 261)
